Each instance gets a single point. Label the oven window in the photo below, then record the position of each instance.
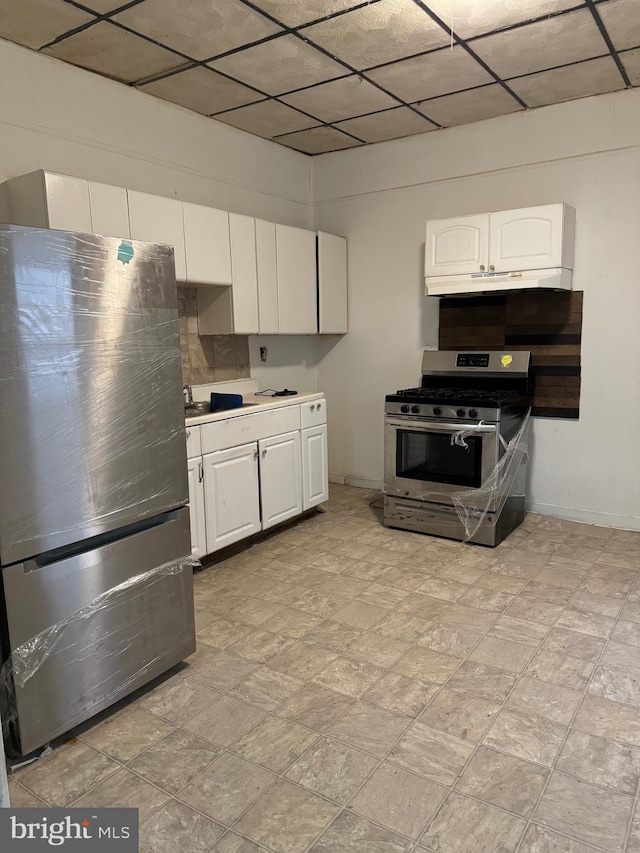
(430, 457)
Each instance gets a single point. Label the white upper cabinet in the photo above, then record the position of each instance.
(457, 246)
(207, 244)
(532, 238)
(159, 220)
(297, 293)
(109, 210)
(267, 277)
(332, 284)
(48, 200)
(244, 289)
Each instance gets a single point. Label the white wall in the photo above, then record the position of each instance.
(57, 117)
(586, 153)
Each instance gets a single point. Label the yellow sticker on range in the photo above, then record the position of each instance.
(506, 360)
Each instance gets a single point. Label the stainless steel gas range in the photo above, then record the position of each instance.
(448, 442)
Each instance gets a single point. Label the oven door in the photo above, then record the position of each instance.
(423, 463)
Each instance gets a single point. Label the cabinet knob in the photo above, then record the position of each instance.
(255, 454)
(264, 453)
(188, 433)
(492, 268)
(312, 407)
(481, 267)
(318, 406)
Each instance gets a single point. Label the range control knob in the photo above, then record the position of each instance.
(460, 413)
(437, 410)
(404, 409)
(415, 410)
(473, 413)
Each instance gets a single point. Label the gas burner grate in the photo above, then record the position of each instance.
(443, 394)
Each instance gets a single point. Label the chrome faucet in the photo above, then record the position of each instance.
(187, 393)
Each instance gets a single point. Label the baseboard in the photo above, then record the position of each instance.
(603, 519)
(363, 483)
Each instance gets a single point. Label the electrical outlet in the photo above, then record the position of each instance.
(263, 353)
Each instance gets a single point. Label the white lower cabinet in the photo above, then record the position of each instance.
(315, 467)
(280, 481)
(196, 508)
(231, 491)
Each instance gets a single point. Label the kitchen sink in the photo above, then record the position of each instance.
(196, 410)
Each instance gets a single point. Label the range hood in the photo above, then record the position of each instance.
(480, 283)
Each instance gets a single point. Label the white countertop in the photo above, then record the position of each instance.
(258, 404)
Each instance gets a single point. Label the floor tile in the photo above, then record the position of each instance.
(175, 828)
(627, 633)
(318, 603)
(560, 669)
(302, 661)
(315, 707)
(366, 571)
(382, 596)
(402, 801)
(483, 681)
(552, 701)
(177, 699)
(536, 591)
(520, 564)
(432, 753)
(372, 729)
(332, 635)
(502, 654)
(427, 665)
(402, 578)
(360, 615)
(423, 606)
(601, 604)
(254, 611)
(468, 618)
(467, 826)
(260, 646)
(444, 588)
(222, 632)
(539, 839)
(266, 688)
(501, 583)
(127, 732)
(616, 685)
(332, 769)
(586, 812)
(504, 781)
(232, 843)
(275, 743)
(449, 640)
(67, 773)
(464, 716)
(601, 761)
(403, 626)
(458, 572)
(378, 649)
(400, 694)
(486, 599)
(605, 718)
(220, 670)
(124, 790)
(225, 720)
(334, 563)
(349, 676)
(602, 586)
(557, 577)
(22, 798)
(287, 818)
(621, 656)
(573, 644)
(526, 736)
(535, 610)
(631, 611)
(283, 592)
(633, 845)
(291, 623)
(518, 631)
(578, 619)
(172, 762)
(343, 585)
(350, 833)
(226, 788)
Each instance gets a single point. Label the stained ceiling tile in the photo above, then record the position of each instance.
(574, 81)
(293, 13)
(340, 99)
(437, 73)
(390, 124)
(198, 29)
(280, 65)
(546, 44)
(114, 52)
(470, 18)
(622, 21)
(472, 105)
(318, 140)
(201, 90)
(37, 22)
(268, 118)
(631, 62)
(378, 33)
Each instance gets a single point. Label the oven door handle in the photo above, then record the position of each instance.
(439, 426)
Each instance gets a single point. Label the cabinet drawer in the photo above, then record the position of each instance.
(314, 413)
(194, 445)
(245, 428)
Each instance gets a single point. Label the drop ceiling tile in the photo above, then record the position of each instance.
(622, 21)
(438, 73)
(546, 44)
(268, 119)
(280, 65)
(293, 13)
(474, 17)
(199, 29)
(378, 33)
(340, 99)
(631, 62)
(318, 140)
(574, 81)
(201, 90)
(472, 105)
(37, 22)
(103, 7)
(390, 124)
(114, 52)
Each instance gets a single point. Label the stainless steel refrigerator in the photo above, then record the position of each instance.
(97, 595)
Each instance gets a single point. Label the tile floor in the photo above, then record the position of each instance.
(359, 689)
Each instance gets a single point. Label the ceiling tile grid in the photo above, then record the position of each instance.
(324, 75)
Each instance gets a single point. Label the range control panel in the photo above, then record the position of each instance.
(472, 359)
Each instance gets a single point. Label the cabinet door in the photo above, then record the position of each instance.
(231, 491)
(297, 288)
(527, 239)
(244, 290)
(109, 210)
(280, 479)
(206, 244)
(332, 284)
(196, 508)
(67, 199)
(159, 220)
(267, 277)
(457, 246)
(315, 467)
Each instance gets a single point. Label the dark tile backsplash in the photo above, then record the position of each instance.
(208, 358)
